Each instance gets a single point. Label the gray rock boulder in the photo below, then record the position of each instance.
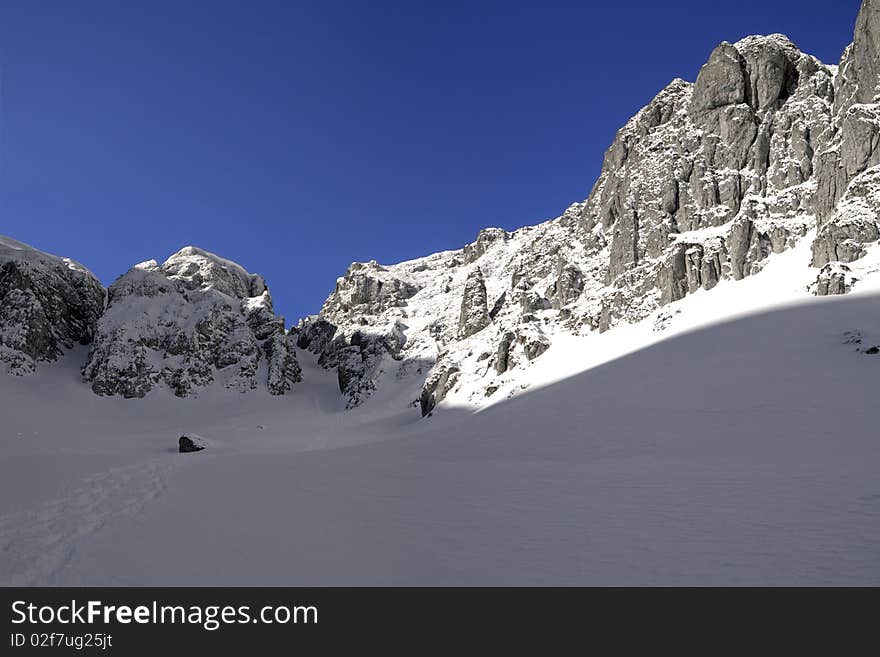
(191, 443)
(503, 355)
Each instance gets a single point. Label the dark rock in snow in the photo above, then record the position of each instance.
(190, 444)
(192, 321)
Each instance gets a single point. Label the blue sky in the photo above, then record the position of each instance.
(296, 138)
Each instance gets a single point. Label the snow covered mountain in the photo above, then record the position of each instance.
(712, 180)
(709, 182)
(195, 320)
(47, 305)
(699, 340)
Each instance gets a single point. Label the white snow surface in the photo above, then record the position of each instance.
(729, 438)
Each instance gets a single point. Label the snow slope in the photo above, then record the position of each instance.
(736, 446)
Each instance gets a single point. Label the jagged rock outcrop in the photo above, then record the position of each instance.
(533, 339)
(47, 305)
(367, 288)
(834, 278)
(314, 333)
(707, 182)
(440, 381)
(569, 283)
(192, 321)
(860, 66)
(360, 326)
(485, 239)
(717, 166)
(474, 316)
(502, 355)
(191, 443)
(854, 224)
(849, 169)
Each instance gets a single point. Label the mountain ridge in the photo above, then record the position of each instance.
(706, 183)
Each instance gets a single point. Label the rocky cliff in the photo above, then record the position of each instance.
(47, 305)
(184, 324)
(769, 146)
(195, 320)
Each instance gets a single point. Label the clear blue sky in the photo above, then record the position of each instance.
(296, 137)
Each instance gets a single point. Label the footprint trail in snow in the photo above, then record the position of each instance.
(35, 545)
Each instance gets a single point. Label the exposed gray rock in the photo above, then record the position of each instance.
(195, 320)
(860, 139)
(314, 333)
(502, 356)
(843, 242)
(569, 283)
(534, 341)
(367, 288)
(624, 245)
(531, 301)
(441, 380)
(283, 367)
(734, 150)
(721, 81)
(498, 305)
(474, 315)
(47, 305)
(859, 74)
(191, 443)
(738, 244)
(707, 182)
(672, 278)
(485, 239)
(835, 278)
(855, 223)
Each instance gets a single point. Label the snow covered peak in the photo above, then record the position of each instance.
(198, 268)
(196, 320)
(706, 183)
(11, 249)
(759, 41)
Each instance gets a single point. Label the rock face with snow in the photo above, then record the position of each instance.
(474, 315)
(769, 147)
(706, 183)
(187, 323)
(47, 305)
